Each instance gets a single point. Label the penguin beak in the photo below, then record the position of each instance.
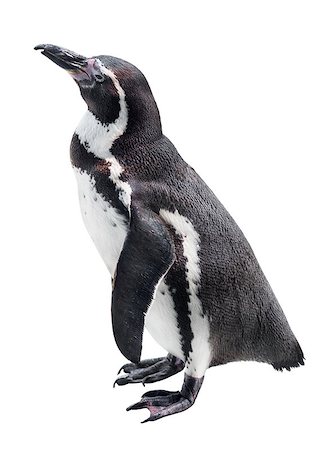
(78, 66)
(66, 59)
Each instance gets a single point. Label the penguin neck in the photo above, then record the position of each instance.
(137, 125)
(143, 126)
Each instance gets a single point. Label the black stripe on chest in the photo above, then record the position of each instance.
(178, 287)
(99, 169)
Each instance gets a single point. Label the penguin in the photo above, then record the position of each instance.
(180, 265)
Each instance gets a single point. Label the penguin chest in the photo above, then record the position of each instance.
(106, 225)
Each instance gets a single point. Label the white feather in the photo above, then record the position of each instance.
(161, 321)
(105, 224)
(200, 357)
(125, 190)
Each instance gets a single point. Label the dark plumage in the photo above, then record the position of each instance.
(210, 263)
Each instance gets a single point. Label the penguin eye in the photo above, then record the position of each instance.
(99, 77)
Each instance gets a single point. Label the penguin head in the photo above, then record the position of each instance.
(105, 82)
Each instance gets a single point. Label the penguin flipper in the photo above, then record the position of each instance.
(147, 255)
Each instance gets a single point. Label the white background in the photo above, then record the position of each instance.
(242, 90)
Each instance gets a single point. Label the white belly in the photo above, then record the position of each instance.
(108, 229)
(161, 321)
(105, 224)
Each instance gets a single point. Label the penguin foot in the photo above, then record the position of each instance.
(165, 403)
(150, 370)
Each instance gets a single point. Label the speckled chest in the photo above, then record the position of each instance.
(105, 222)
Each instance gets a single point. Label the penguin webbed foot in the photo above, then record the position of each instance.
(165, 403)
(150, 370)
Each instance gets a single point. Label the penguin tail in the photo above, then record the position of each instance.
(294, 359)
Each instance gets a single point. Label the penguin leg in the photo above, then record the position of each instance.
(164, 403)
(150, 370)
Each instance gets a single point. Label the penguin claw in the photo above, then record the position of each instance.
(149, 370)
(122, 368)
(161, 404)
(165, 403)
(141, 365)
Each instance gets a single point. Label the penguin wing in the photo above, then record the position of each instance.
(147, 255)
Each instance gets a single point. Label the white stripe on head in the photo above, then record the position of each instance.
(97, 137)
(200, 357)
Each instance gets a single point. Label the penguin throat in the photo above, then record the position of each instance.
(97, 137)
